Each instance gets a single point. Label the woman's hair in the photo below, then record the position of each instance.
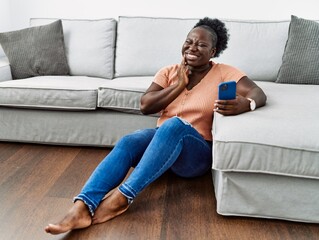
(218, 30)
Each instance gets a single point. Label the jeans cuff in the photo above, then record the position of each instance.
(90, 207)
(129, 199)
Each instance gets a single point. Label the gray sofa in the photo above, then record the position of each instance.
(266, 162)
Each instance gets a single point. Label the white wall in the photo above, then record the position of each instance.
(5, 16)
(23, 10)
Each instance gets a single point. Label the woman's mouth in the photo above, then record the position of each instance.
(191, 57)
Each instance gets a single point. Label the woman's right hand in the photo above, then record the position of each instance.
(183, 72)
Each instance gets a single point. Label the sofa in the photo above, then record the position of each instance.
(265, 162)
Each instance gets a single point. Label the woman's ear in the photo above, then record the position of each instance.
(213, 52)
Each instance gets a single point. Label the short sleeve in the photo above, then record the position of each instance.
(231, 73)
(166, 76)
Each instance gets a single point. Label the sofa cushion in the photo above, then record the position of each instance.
(162, 39)
(280, 138)
(256, 47)
(89, 45)
(51, 92)
(123, 94)
(36, 51)
(146, 44)
(300, 59)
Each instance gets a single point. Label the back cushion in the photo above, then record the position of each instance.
(145, 44)
(256, 47)
(89, 45)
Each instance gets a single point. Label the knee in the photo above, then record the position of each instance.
(175, 122)
(128, 141)
(136, 139)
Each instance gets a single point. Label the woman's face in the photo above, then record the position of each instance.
(198, 48)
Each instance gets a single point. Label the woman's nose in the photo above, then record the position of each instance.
(192, 47)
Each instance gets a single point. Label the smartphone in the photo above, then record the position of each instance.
(227, 90)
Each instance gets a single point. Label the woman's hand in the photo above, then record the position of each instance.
(183, 72)
(246, 88)
(232, 107)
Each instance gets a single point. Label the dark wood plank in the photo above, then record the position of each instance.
(78, 171)
(38, 169)
(188, 203)
(7, 150)
(38, 182)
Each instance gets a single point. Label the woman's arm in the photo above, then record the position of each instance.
(249, 89)
(246, 88)
(157, 98)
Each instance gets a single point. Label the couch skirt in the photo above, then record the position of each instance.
(267, 196)
(89, 128)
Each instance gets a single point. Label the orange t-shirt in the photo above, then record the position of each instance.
(196, 105)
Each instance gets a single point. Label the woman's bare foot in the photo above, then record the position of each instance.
(112, 206)
(77, 217)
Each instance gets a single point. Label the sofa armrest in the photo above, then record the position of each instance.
(5, 71)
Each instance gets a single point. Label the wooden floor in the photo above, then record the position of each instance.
(38, 182)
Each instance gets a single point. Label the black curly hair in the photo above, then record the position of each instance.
(218, 30)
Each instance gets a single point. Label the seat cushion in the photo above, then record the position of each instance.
(123, 94)
(51, 92)
(89, 45)
(280, 138)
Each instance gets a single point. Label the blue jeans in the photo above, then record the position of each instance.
(176, 145)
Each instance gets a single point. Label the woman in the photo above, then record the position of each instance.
(186, 96)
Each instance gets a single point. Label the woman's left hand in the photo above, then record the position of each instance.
(246, 88)
(232, 107)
